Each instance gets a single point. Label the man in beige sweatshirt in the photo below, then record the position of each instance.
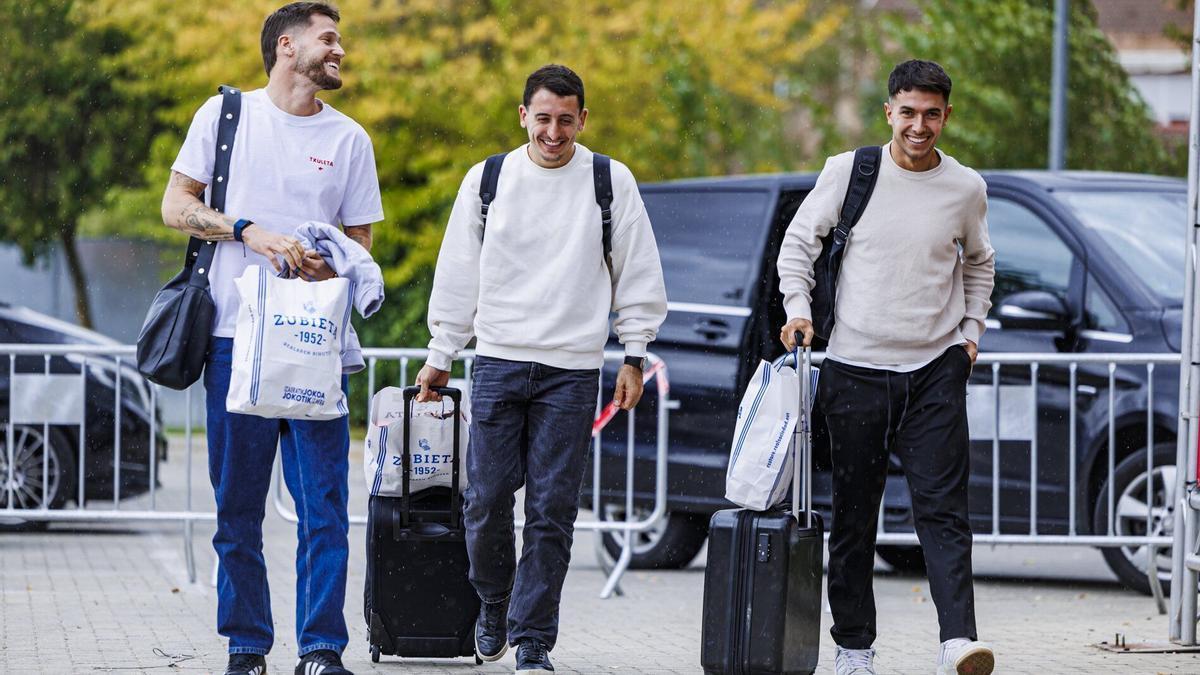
(912, 296)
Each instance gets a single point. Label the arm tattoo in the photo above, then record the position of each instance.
(204, 223)
(360, 234)
(186, 183)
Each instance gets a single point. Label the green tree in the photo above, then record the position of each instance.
(675, 88)
(999, 54)
(71, 130)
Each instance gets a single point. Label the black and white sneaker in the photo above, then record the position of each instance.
(246, 664)
(491, 630)
(321, 662)
(533, 658)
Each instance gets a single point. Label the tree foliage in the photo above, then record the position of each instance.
(999, 55)
(70, 130)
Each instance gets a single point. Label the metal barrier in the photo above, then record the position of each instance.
(42, 402)
(627, 527)
(52, 388)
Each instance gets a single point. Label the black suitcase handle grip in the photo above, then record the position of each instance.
(455, 395)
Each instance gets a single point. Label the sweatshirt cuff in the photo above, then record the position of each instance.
(797, 307)
(635, 349)
(971, 329)
(439, 360)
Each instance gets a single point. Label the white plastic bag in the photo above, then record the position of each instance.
(287, 347)
(760, 465)
(431, 443)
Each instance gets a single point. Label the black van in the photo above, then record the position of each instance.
(1085, 262)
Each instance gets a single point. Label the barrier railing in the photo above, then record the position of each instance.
(85, 409)
(627, 527)
(59, 415)
(1015, 411)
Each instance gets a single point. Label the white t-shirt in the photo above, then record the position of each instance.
(285, 170)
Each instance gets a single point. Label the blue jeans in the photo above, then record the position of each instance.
(241, 450)
(530, 426)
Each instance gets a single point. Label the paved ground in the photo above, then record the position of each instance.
(116, 599)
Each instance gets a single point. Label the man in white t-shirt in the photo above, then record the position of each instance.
(294, 159)
(536, 289)
(913, 292)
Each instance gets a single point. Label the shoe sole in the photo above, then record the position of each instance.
(976, 662)
(533, 671)
(484, 657)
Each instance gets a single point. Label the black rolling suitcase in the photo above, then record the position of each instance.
(762, 585)
(418, 600)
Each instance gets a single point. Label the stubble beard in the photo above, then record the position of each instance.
(314, 70)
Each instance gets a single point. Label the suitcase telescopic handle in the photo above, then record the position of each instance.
(802, 464)
(455, 395)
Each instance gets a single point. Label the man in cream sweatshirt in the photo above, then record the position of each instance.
(912, 297)
(534, 287)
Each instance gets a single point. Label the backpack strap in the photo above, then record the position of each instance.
(602, 177)
(858, 192)
(199, 252)
(488, 183)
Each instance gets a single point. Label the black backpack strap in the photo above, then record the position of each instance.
(200, 253)
(602, 177)
(858, 192)
(488, 183)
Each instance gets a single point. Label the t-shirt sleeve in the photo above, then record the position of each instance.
(196, 158)
(362, 204)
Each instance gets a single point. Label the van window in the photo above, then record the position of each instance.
(709, 242)
(1029, 255)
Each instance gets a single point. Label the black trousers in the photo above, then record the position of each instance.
(921, 417)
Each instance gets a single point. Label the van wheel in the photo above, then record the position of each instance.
(672, 543)
(904, 559)
(1134, 499)
(43, 475)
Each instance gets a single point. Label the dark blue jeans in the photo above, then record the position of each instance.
(530, 426)
(241, 450)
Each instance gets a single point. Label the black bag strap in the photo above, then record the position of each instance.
(199, 252)
(488, 183)
(602, 177)
(858, 192)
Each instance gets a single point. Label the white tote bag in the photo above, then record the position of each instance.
(287, 347)
(760, 465)
(431, 443)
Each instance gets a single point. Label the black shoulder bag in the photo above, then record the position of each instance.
(601, 179)
(173, 343)
(833, 245)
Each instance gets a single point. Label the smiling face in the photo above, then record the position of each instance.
(318, 53)
(917, 118)
(553, 122)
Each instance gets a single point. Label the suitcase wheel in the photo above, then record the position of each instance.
(478, 661)
(374, 654)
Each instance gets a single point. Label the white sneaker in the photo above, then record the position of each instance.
(961, 656)
(854, 662)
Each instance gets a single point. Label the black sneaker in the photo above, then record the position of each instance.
(246, 664)
(321, 662)
(491, 630)
(533, 658)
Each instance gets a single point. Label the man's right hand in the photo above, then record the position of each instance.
(787, 335)
(431, 377)
(273, 246)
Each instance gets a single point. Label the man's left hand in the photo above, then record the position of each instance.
(628, 391)
(314, 268)
(972, 351)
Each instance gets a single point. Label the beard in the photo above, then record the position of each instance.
(314, 70)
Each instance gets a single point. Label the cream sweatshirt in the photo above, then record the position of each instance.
(535, 286)
(918, 269)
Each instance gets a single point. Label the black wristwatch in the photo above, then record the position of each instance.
(638, 362)
(240, 227)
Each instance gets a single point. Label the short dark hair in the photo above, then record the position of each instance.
(558, 80)
(921, 75)
(286, 18)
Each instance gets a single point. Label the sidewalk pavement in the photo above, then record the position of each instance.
(116, 599)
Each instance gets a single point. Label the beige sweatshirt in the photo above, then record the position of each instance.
(918, 269)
